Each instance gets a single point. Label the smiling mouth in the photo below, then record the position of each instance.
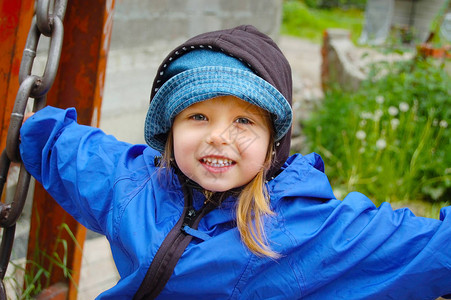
(217, 162)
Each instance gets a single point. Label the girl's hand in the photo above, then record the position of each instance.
(27, 115)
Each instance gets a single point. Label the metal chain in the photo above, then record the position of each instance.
(48, 21)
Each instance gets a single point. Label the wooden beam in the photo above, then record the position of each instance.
(79, 83)
(15, 21)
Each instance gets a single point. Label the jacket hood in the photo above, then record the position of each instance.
(259, 52)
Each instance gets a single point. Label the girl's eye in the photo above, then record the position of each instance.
(243, 121)
(198, 117)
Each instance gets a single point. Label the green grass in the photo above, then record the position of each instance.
(302, 21)
(389, 139)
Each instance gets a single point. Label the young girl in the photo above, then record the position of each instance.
(215, 208)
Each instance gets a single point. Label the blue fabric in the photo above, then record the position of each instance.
(201, 58)
(196, 233)
(330, 249)
(203, 74)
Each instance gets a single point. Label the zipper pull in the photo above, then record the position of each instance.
(189, 217)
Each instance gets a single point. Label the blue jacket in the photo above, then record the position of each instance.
(330, 249)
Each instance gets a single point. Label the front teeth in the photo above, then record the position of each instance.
(217, 162)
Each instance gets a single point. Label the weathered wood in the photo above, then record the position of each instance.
(79, 83)
(15, 21)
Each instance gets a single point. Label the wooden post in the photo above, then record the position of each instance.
(15, 21)
(79, 83)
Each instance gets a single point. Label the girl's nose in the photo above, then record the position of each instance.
(219, 135)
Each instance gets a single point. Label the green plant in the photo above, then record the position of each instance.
(29, 283)
(336, 3)
(389, 139)
(434, 38)
(303, 21)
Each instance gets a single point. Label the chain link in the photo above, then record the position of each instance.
(44, 20)
(48, 21)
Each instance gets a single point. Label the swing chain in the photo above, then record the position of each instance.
(48, 21)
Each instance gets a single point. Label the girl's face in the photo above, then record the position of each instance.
(221, 143)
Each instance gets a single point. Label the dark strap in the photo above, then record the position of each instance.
(171, 249)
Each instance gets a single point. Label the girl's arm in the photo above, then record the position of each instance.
(76, 164)
(365, 252)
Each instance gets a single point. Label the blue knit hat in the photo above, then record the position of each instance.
(204, 74)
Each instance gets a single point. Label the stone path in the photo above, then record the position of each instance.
(305, 60)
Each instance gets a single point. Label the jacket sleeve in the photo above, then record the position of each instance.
(76, 164)
(391, 254)
(412, 254)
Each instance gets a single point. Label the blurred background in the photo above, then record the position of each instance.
(372, 93)
(144, 32)
(371, 85)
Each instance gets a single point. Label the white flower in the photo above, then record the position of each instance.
(381, 144)
(366, 115)
(403, 106)
(394, 123)
(339, 193)
(377, 115)
(362, 123)
(380, 99)
(361, 135)
(443, 124)
(393, 111)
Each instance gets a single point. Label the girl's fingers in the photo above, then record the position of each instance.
(27, 115)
